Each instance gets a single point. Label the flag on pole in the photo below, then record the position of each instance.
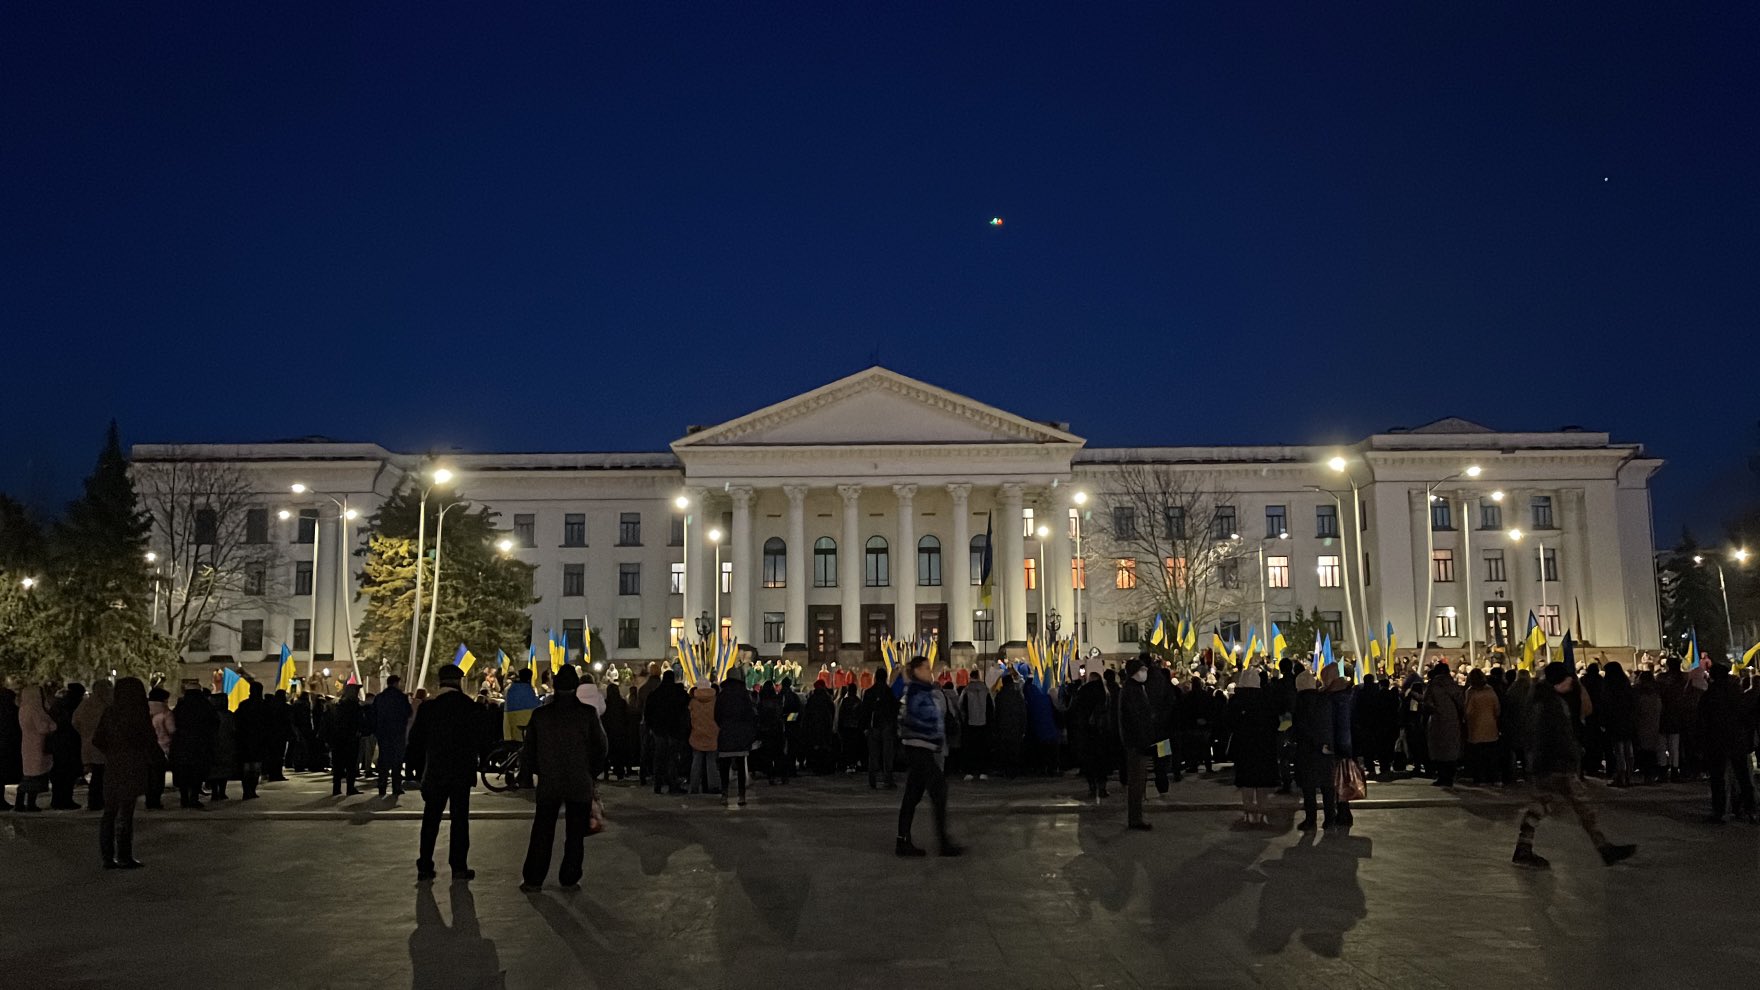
(1252, 641)
(464, 658)
(237, 688)
(1158, 632)
(1326, 648)
(1692, 648)
(586, 640)
(984, 562)
(1278, 643)
(1532, 643)
(1221, 650)
(1748, 657)
(284, 675)
(1190, 641)
(1569, 649)
(1392, 644)
(500, 660)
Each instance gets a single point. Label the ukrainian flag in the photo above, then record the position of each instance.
(1532, 643)
(1748, 657)
(500, 660)
(237, 689)
(1278, 643)
(1219, 649)
(1190, 640)
(1693, 647)
(464, 658)
(1392, 644)
(1252, 642)
(1158, 634)
(284, 674)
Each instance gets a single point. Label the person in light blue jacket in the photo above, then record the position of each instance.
(922, 735)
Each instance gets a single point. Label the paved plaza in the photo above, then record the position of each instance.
(800, 889)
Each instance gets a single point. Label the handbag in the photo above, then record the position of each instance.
(596, 818)
(1348, 781)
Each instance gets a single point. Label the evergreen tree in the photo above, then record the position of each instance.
(1691, 600)
(483, 596)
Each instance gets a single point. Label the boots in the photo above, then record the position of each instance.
(1525, 856)
(249, 783)
(904, 847)
(1612, 854)
(125, 847)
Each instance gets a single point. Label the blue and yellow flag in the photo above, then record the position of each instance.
(1569, 649)
(984, 563)
(1692, 648)
(500, 660)
(1190, 640)
(1218, 649)
(284, 674)
(1392, 644)
(1278, 643)
(1748, 657)
(1532, 643)
(464, 658)
(1158, 632)
(237, 688)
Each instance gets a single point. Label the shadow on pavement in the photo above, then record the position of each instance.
(444, 958)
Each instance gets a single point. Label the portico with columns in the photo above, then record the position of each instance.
(875, 486)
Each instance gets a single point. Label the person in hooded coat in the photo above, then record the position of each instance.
(225, 763)
(618, 734)
(819, 728)
(1010, 734)
(192, 747)
(1445, 704)
(131, 757)
(65, 742)
(736, 725)
(11, 759)
(85, 721)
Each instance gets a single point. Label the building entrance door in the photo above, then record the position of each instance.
(877, 622)
(1498, 624)
(824, 633)
(932, 624)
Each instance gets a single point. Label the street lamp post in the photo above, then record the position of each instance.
(1729, 622)
(715, 539)
(1424, 620)
(1080, 499)
(1540, 572)
(1344, 546)
(345, 515)
(1042, 532)
(1342, 466)
(1265, 588)
(153, 620)
(434, 602)
(683, 504)
(440, 477)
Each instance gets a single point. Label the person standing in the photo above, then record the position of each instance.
(1092, 728)
(977, 706)
(617, 724)
(1557, 761)
(344, 724)
(443, 742)
(565, 745)
(1009, 737)
(704, 738)
(253, 738)
(391, 715)
(1619, 723)
(1311, 728)
(132, 756)
(1483, 711)
(1724, 731)
(164, 730)
(881, 715)
(224, 765)
(852, 736)
(667, 717)
(1252, 726)
(192, 747)
(1446, 708)
(1342, 697)
(35, 725)
(68, 752)
(922, 730)
(85, 721)
(1136, 732)
(736, 726)
(278, 724)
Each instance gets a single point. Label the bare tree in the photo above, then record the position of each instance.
(1167, 540)
(213, 559)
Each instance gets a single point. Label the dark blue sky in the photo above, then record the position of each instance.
(583, 228)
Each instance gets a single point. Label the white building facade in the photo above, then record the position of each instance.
(858, 510)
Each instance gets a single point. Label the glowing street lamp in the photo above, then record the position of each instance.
(1080, 498)
(438, 477)
(715, 538)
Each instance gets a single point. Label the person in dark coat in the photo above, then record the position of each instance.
(792, 707)
(1092, 728)
(668, 720)
(301, 752)
(1445, 708)
(852, 734)
(1252, 727)
(1725, 734)
(564, 745)
(736, 726)
(253, 737)
(11, 736)
(1311, 728)
(1411, 727)
(819, 728)
(278, 729)
(192, 746)
(1136, 733)
(1342, 697)
(1041, 728)
(225, 764)
(1678, 716)
(1010, 734)
(391, 715)
(1164, 703)
(131, 753)
(1557, 761)
(880, 714)
(1194, 717)
(65, 743)
(443, 742)
(1618, 709)
(344, 724)
(618, 734)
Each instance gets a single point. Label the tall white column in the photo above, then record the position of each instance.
(744, 561)
(699, 557)
(794, 619)
(849, 562)
(1058, 554)
(904, 563)
(1010, 563)
(957, 586)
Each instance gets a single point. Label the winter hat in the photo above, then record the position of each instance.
(1305, 682)
(1557, 672)
(1133, 665)
(451, 674)
(566, 680)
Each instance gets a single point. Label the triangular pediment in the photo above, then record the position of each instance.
(877, 406)
(1451, 424)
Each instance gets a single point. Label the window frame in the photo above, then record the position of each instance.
(629, 578)
(877, 562)
(826, 578)
(629, 529)
(929, 561)
(775, 569)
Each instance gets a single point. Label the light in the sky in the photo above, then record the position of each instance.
(995, 221)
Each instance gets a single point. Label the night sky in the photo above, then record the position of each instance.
(467, 226)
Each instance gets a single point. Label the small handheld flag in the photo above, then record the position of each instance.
(237, 687)
(1748, 657)
(1692, 648)
(284, 674)
(464, 658)
(1158, 634)
(1278, 643)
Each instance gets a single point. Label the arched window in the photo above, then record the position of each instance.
(775, 563)
(929, 562)
(825, 562)
(978, 553)
(879, 573)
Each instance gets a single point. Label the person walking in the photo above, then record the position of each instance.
(67, 751)
(1483, 710)
(922, 730)
(164, 730)
(565, 745)
(881, 716)
(703, 740)
(443, 742)
(11, 735)
(85, 722)
(1557, 762)
(391, 715)
(1446, 710)
(36, 725)
(125, 736)
(1136, 732)
(192, 747)
(736, 726)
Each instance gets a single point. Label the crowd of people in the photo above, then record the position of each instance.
(1275, 727)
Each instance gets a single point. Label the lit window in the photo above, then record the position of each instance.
(1127, 573)
(1027, 524)
(1177, 572)
(1442, 565)
(727, 577)
(1331, 576)
(676, 586)
(1078, 574)
(1032, 571)
(1547, 616)
(1277, 572)
(1447, 624)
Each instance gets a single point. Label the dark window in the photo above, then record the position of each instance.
(983, 625)
(675, 537)
(1490, 515)
(1494, 566)
(574, 529)
(879, 563)
(1228, 573)
(629, 579)
(1276, 521)
(525, 529)
(1326, 521)
(302, 634)
(1543, 512)
(629, 634)
(250, 636)
(307, 529)
(302, 577)
(1223, 526)
(1366, 581)
(1174, 520)
(201, 638)
(978, 558)
(1127, 631)
(929, 562)
(574, 580)
(1333, 622)
(825, 562)
(1549, 563)
(573, 634)
(1124, 522)
(775, 563)
(256, 525)
(255, 578)
(1230, 628)
(207, 527)
(773, 627)
(629, 529)
(1441, 513)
